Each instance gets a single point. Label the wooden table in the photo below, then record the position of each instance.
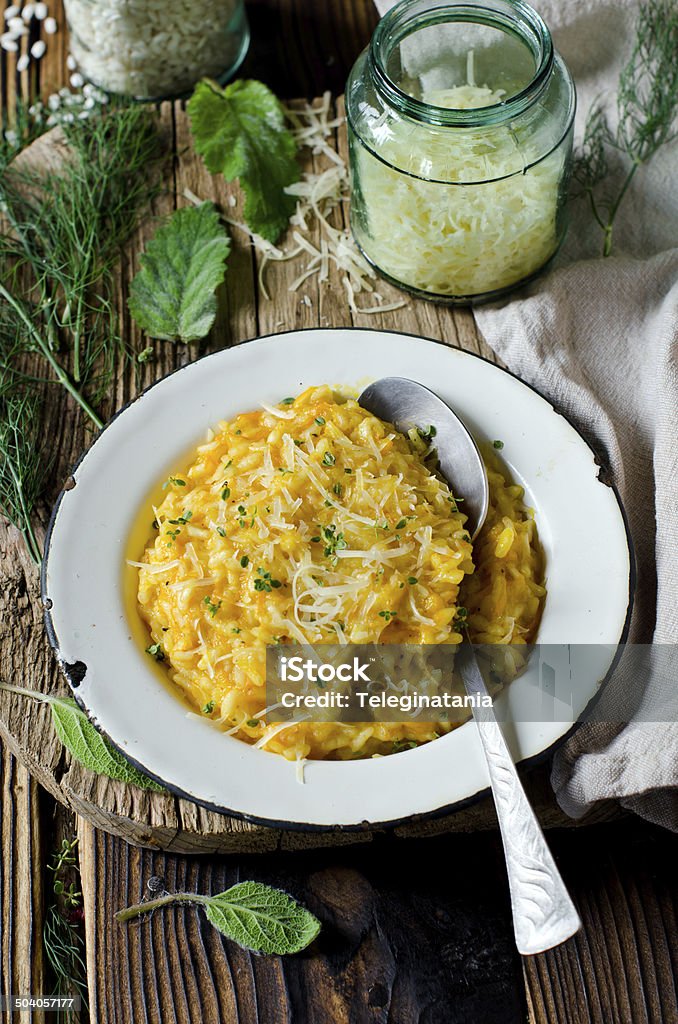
(415, 930)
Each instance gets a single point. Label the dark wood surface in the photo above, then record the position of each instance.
(416, 932)
(413, 932)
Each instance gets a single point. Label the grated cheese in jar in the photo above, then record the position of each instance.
(457, 187)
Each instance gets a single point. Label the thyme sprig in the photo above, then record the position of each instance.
(647, 114)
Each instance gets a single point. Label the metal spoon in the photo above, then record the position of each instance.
(406, 404)
(543, 913)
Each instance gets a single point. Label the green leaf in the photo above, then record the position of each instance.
(261, 918)
(90, 748)
(172, 296)
(240, 133)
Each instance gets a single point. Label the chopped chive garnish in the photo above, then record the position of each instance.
(244, 561)
(412, 580)
(328, 459)
(320, 420)
(287, 401)
(498, 445)
(208, 708)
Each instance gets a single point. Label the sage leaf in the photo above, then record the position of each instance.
(240, 132)
(262, 919)
(90, 748)
(172, 297)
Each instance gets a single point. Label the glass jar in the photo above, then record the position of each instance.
(460, 119)
(156, 49)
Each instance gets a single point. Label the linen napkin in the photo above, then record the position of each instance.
(599, 338)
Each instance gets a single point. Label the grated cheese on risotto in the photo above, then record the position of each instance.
(312, 521)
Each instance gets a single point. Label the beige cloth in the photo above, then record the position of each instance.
(599, 338)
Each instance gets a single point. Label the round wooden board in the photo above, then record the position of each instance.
(164, 821)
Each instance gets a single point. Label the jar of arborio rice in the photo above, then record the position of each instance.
(156, 49)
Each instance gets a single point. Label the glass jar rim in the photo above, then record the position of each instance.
(507, 15)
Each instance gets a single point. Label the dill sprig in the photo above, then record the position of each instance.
(60, 242)
(67, 227)
(62, 933)
(24, 461)
(647, 113)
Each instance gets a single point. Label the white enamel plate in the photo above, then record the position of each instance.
(581, 527)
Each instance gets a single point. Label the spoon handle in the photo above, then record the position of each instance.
(543, 913)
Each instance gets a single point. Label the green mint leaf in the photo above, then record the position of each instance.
(240, 132)
(262, 919)
(90, 748)
(172, 296)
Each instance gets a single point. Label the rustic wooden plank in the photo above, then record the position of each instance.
(410, 932)
(622, 967)
(301, 49)
(22, 962)
(399, 942)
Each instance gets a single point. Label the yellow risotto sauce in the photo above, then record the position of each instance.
(315, 522)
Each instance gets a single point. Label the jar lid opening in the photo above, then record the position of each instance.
(470, 63)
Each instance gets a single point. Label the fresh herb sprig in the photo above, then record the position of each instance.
(63, 938)
(647, 114)
(256, 916)
(67, 226)
(240, 132)
(173, 296)
(59, 243)
(85, 743)
(24, 458)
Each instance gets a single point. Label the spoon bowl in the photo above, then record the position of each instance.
(406, 404)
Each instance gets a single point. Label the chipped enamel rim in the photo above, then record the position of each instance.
(589, 569)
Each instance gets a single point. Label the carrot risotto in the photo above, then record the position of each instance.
(315, 522)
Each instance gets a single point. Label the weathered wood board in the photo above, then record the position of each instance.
(166, 821)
